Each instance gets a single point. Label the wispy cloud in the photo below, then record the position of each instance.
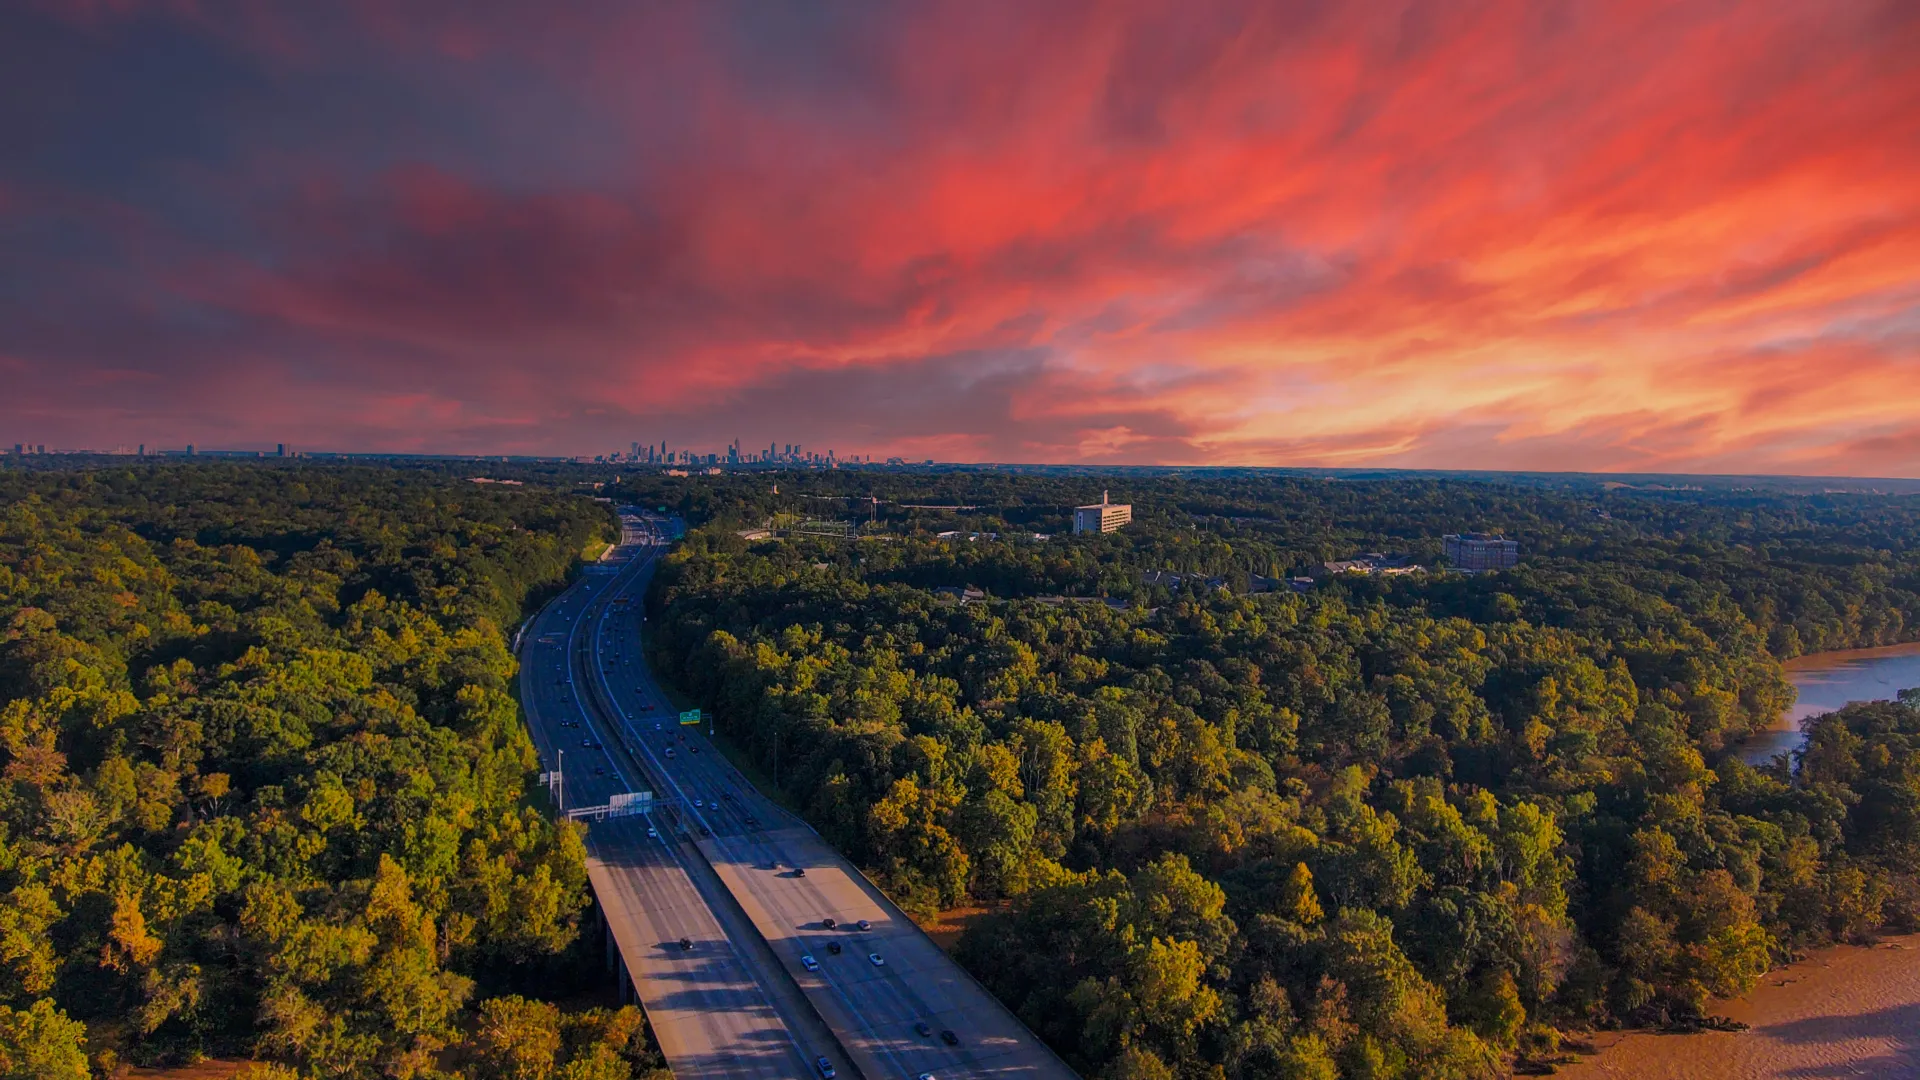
(1619, 236)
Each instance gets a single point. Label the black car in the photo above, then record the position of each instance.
(828, 923)
(923, 1028)
(947, 1036)
(799, 871)
(833, 947)
(686, 944)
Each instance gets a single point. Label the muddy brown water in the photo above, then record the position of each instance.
(1849, 1011)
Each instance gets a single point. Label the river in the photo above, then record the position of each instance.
(1845, 1011)
(1826, 681)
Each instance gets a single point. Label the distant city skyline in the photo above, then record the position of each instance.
(1676, 238)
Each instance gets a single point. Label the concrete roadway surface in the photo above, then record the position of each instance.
(714, 1010)
(759, 849)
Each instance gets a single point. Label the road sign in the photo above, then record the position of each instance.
(691, 716)
(630, 802)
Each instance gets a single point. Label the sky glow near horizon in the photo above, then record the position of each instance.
(1505, 235)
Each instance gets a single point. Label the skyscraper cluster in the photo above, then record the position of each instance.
(662, 453)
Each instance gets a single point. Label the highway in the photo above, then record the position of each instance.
(713, 1008)
(915, 1014)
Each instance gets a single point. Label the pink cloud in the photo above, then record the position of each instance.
(1620, 236)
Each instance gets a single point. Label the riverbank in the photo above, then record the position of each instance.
(1845, 1011)
(1826, 681)
(1820, 660)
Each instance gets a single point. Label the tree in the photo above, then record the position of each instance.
(517, 1039)
(41, 1043)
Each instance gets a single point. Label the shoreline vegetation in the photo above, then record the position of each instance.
(1843, 1010)
(1851, 1006)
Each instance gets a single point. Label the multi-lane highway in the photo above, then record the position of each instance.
(803, 953)
(712, 1013)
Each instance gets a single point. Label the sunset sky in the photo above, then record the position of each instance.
(1599, 236)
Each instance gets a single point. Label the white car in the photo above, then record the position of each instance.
(810, 963)
(653, 833)
(876, 959)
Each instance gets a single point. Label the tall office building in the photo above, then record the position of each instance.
(1481, 551)
(1100, 517)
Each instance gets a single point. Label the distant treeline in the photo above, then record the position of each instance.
(1406, 827)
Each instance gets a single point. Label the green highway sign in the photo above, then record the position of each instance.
(691, 716)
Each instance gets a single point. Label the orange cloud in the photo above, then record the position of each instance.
(1622, 236)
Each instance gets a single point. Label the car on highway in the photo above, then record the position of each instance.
(653, 833)
(669, 751)
(693, 749)
(864, 924)
(947, 1036)
(704, 831)
(686, 944)
(599, 771)
(586, 744)
(698, 805)
(924, 1076)
(826, 923)
(825, 1067)
(922, 1028)
(876, 959)
(809, 963)
(833, 947)
(799, 871)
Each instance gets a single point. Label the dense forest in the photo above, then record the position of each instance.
(263, 777)
(1416, 826)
